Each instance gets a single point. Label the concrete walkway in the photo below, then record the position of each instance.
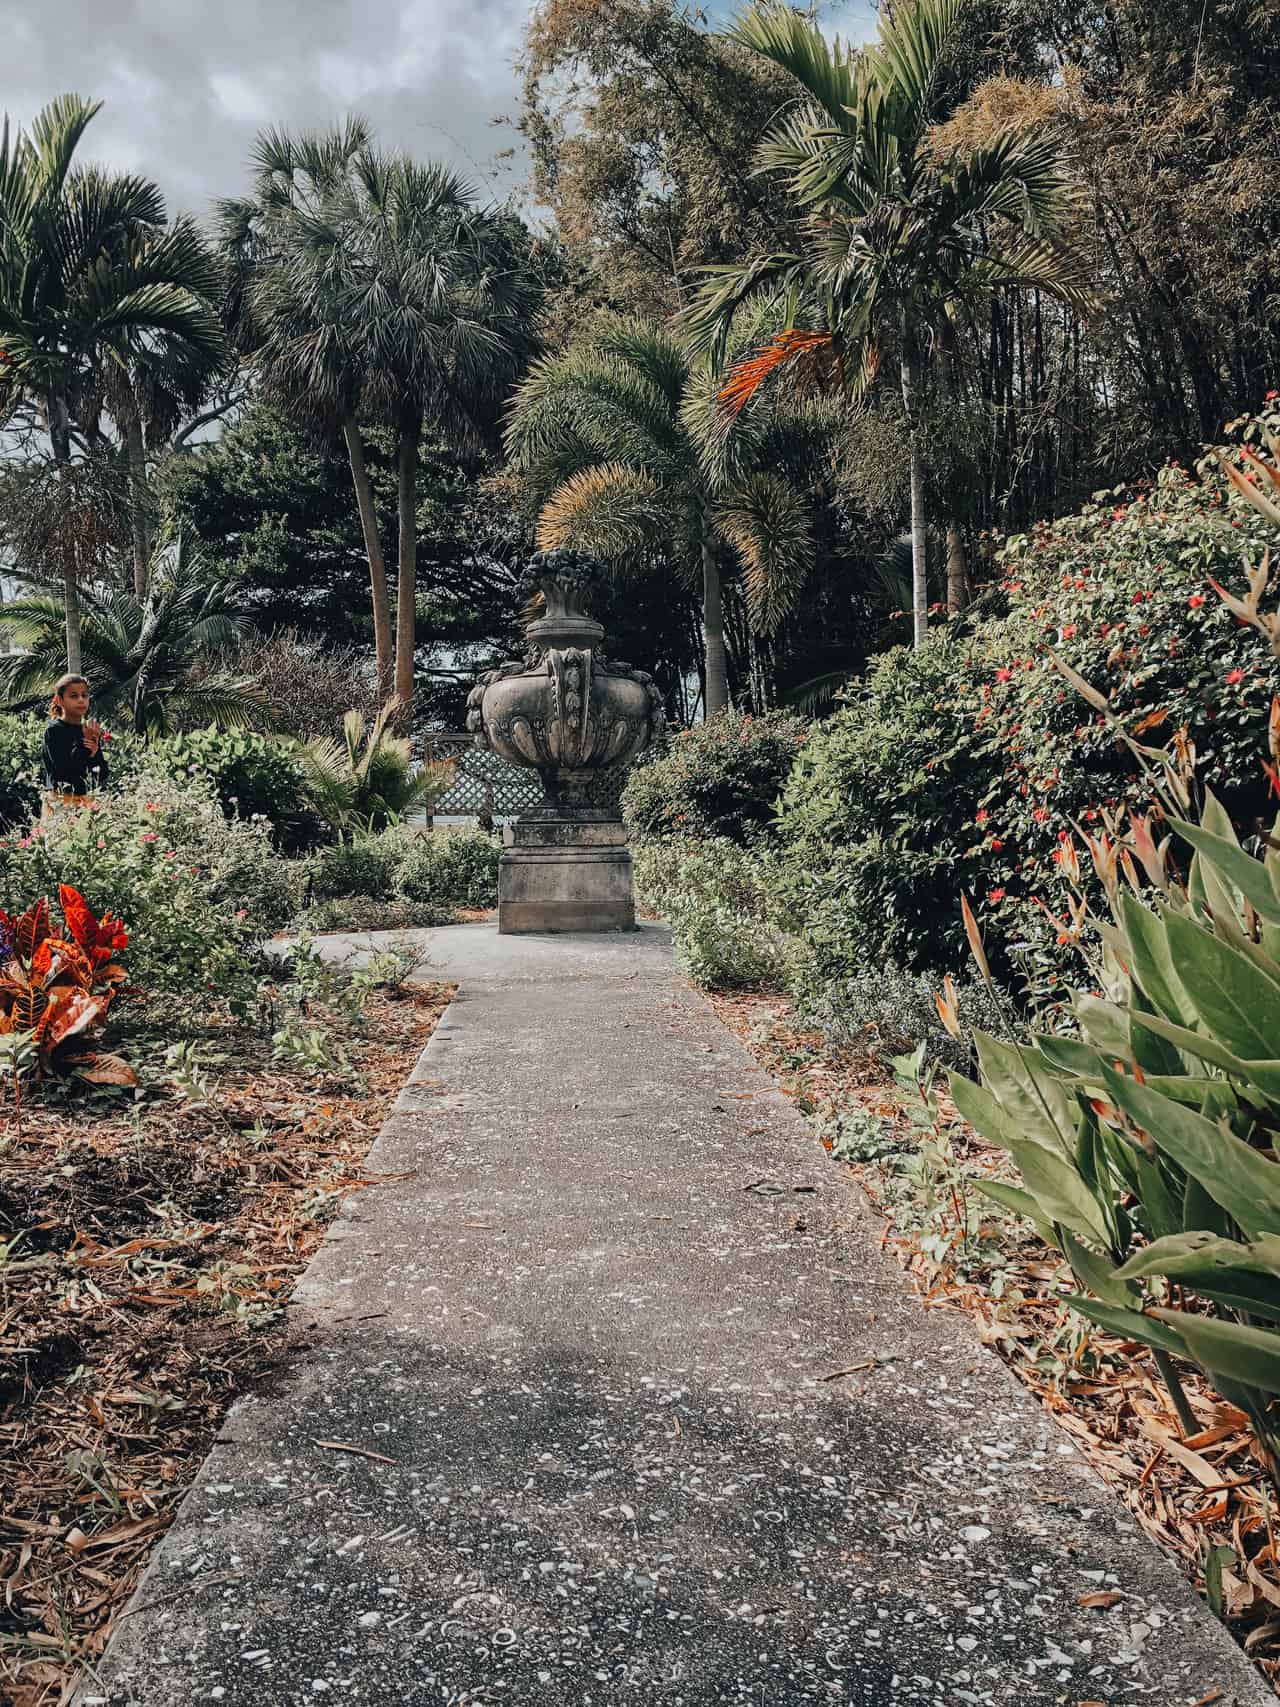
(588, 1344)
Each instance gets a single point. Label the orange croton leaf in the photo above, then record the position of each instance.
(31, 930)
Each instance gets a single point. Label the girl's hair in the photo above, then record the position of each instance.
(68, 681)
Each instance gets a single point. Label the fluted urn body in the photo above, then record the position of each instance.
(566, 710)
(571, 714)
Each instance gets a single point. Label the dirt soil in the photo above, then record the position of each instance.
(148, 1249)
(1204, 1496)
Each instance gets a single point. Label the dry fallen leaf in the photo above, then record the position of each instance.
(1102, 1597)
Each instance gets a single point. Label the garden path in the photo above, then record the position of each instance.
(583, 1344)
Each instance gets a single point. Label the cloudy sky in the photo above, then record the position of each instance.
(186, 84)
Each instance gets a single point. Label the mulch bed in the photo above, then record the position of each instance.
(160, 1242)
(1192, 1493)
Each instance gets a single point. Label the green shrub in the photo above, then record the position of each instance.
(253, 776)
(719, 779)
(358, 865)
(198, 892)
(891, 1011)
(20, 780)
(960, 768)
(363, 913)
(719, 900)
(449, 868)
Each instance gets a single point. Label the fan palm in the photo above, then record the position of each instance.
(617, 439)
(366, 780)
(381, 289)
(138, 654)
(444, 304)
(88, 271)
(293, 319)
(890, 241)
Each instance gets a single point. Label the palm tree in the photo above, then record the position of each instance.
(379, 289)
(292, 318)
(444, 302)
(617, 439)
(367, 780)
(88, 271)
(138, 654)
(890, 241)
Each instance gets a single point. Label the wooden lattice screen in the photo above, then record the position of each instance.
(485, 784)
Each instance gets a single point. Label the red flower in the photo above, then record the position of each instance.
(1004, 675)
(981, 815)
(1196, 600)
(995, 895)
(1234, 676)
(1068, 632)
(995, 844)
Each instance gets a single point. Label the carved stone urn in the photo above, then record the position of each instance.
(571, 714)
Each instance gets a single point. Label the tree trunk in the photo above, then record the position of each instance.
(919, 566)
(407, 590)
(716, 696)
(137, 452)
(60, 439)
(373, 551)
(957, 571)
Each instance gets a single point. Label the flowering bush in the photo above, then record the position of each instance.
(252, 775)
(963, 767)
(719, 779)
(57, 988)
(199, 891)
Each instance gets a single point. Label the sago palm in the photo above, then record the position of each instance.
(137, 654)
(890, 241)
(366, 780)
(616, 438)
(88, 271)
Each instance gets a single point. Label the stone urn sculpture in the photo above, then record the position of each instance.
(571, 714)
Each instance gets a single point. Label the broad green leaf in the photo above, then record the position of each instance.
(1098, 1272)
(1103, 1024)
(1153, 1053)
(1151, 962)
(1133, 1324)
(1199, 1251)
(1236, 1001)
(1265, 1075)
(1238, 868)
(1034, 1101)
(1239, 1178)
(1052, 1179)
(1159, 1211)
(1200, 1213)
(1020, 1202)
(1248, 1355)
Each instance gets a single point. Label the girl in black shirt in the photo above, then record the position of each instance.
(73, 758)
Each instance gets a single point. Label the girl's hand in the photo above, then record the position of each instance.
(92, 732)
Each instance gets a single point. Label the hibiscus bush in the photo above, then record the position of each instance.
(963, 767)
(199, 892)
(253, 776)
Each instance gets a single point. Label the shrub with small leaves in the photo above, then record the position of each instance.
(721, 778)
(719, 900)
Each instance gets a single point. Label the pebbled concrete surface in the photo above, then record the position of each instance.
(590, 1334)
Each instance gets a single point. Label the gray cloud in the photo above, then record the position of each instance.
(187, 84)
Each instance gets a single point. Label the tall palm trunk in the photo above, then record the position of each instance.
(136, 449)
(373, 551)
(60, 439)
(716, 697)
(919, 564)
(957, 571)
(407, 590)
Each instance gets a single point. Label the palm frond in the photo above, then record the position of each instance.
(770, 526)
(825, 69)
(610, 510)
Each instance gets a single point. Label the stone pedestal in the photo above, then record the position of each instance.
(565, 872)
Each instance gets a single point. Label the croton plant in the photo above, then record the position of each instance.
(56, 986)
